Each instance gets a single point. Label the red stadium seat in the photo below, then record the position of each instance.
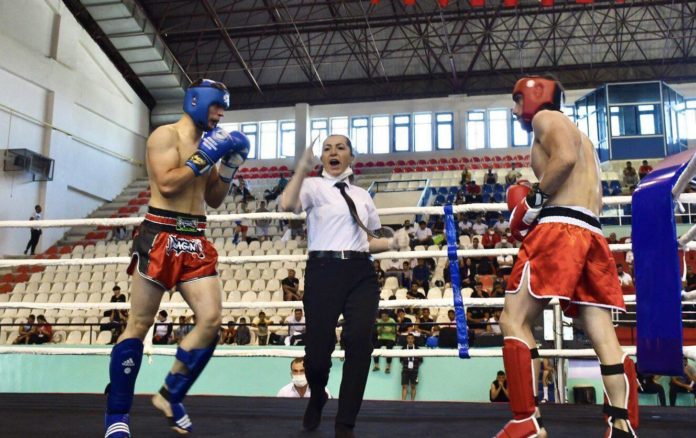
(443, 161)
(497, 158)
(400, 163)
(420, 169)
(359, 165)
(452, 167)
(5, 288)
(475, 159)
(390, 163)
(283, 168)
(370, 164)
(464, 160)
(263, 169)
(475, 166)
(408, 169)
(507, 158)
(497, 166)
(411, 162)
(422, 162)
(398, 170)
(432, 161)
(379, 163)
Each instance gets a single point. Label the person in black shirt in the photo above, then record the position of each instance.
(478, 316)
(379, 272)
(499, 390)
(426, 323)
(409, 370)
(650, 385)
(291, 287)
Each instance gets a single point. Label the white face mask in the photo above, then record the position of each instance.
(346, 173)
(503, 240)
(299, 380)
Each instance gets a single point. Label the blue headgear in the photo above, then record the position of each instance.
(199, 98)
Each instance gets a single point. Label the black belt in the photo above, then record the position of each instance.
(345, 255)
(569, 212)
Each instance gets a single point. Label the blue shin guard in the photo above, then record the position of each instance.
(116, 426)
(178, 384)
(126, 357)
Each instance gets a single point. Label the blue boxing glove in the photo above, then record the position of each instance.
(234, 158)
(213, 146)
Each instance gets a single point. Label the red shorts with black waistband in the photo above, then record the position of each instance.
(567, 257)
(170, 248)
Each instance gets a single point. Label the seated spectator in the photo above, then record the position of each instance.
(649, 384)
(296, 228)
(163, 329)
(612, 239)
(464, 225)
(690, 279)
(513, 175)
(493, 323)
(490, 177)
(625, 278)
(379, 272)
(119, 233)
(242, 189)
(270, 195)
(261, 323)
(386, 337)
(498, 291)
(682, 384)
(512, 240)
(262, 225)
(182, 329)
(499, 390)
(477, 317)
(547, 379)
(409, 369)
(228, 335)
(505, 262)
(473, 193)
(404, 235)
(25, 331)
(479, 227)
(463, 271)
(425, 326)
(501, 225)
(402, 322)
(424, 235)
(243, 335)
(644, 169)
(484, 266)
(291, 287)
(296, 327)
(42, 333)
(298, 387)
(630, 177)
(406, 274)
(465, 177)
(414, 293)
(459, 198)
(490, 239)
(421, 275)
(240, 232)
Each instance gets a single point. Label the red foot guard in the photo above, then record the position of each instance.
(527, 428)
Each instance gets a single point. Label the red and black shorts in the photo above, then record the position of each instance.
(170, 248)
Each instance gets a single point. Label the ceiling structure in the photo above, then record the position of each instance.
(280, 52)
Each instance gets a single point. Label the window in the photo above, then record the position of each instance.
(444, 131)
(402, 133)
(339, 125)
(380, 134)
(690, 119)
(475, 130)
(269, 140)
(423, 132)
(287, 139)
(251, 131)
(498, 128)
(320, 128)
(229, 127)
(614, 121)
(632, 120)
(520, 137)
(569, 110)
(646, 118)
(360, 134)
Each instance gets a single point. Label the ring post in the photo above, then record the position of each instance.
(459, 312)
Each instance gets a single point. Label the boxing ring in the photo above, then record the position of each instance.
(81, 414)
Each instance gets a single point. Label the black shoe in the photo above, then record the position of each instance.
(312, 415)
(343, 431)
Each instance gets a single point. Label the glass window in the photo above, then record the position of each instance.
(614, 119)
(631, 120)
(690, 119)
(251, 131)
(520, 137)
(269, 140)
(647, 119)
(339, 125)
(423, 132)
(402, 133)
(569, 111)
(287, 139)
(360, 134)
(444, 131)
(498, 128)
(475, 130)
(229, 127)
(320, 128)
(380, 134)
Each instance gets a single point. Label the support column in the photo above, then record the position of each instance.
(302, 130)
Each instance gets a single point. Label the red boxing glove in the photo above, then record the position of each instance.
(523, 215)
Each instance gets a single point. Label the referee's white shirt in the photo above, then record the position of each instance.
(290, 391)
(330, 227)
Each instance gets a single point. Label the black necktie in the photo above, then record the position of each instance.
(351, 206)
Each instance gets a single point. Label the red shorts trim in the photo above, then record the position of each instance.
(168, 259)
(568, 262)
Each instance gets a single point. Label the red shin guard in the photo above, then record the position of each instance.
(628, 410)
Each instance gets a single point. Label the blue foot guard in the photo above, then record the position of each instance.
(459, 312)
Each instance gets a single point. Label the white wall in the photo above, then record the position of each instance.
(52, 71)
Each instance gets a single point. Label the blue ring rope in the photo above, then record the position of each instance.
(455, 279)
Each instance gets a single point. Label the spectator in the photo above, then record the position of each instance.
(403, 322)
(682, 384)
(479, 227)
(512, 176)
(498, 290)
(465, 178)
(404, 235)
(490, 177)
(183, 329)
(459, 198)
(501, 225)
(508, 235)
(493, 323)
(296, 228)
(690, 279)
(625, 278)
(261, 323)
(649, 384)
(475, 244)
(240, 232)
(464, 225)
(425, 326)
(298, 388)
(117, 315)
(477, 317)
(463, 271)
(490, 239)
(473, 192)
(379, 272)
(499, 390)
(262, 225)
(228, 335)
(414, 293)
(119, 233)
(291, 287)
(483, 266)
(42, 332)
(163, 329)
(242, 189)
(386, 337)
(272, 194)
(243, 335)
(296, 327)
(644, 169)
(35, 232)
(409, 369)
(421, 275)
(612, 239)
(630, 177)
(547, 378)
(406, 274)
(424, 235)
(25, 331)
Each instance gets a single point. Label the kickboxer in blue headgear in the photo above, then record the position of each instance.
(171, 251)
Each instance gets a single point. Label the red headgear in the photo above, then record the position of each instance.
(539, 93)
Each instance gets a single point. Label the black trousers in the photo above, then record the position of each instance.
(33, 241)
(384, 343)
(334, 287)
(655, 388)
(674, 390)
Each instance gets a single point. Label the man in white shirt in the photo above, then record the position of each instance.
(296, 327)
(513, 175)
(625, 278)
(424, 235)
(464, 224)
(501, 225)
(479, 227)
(298, 388)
